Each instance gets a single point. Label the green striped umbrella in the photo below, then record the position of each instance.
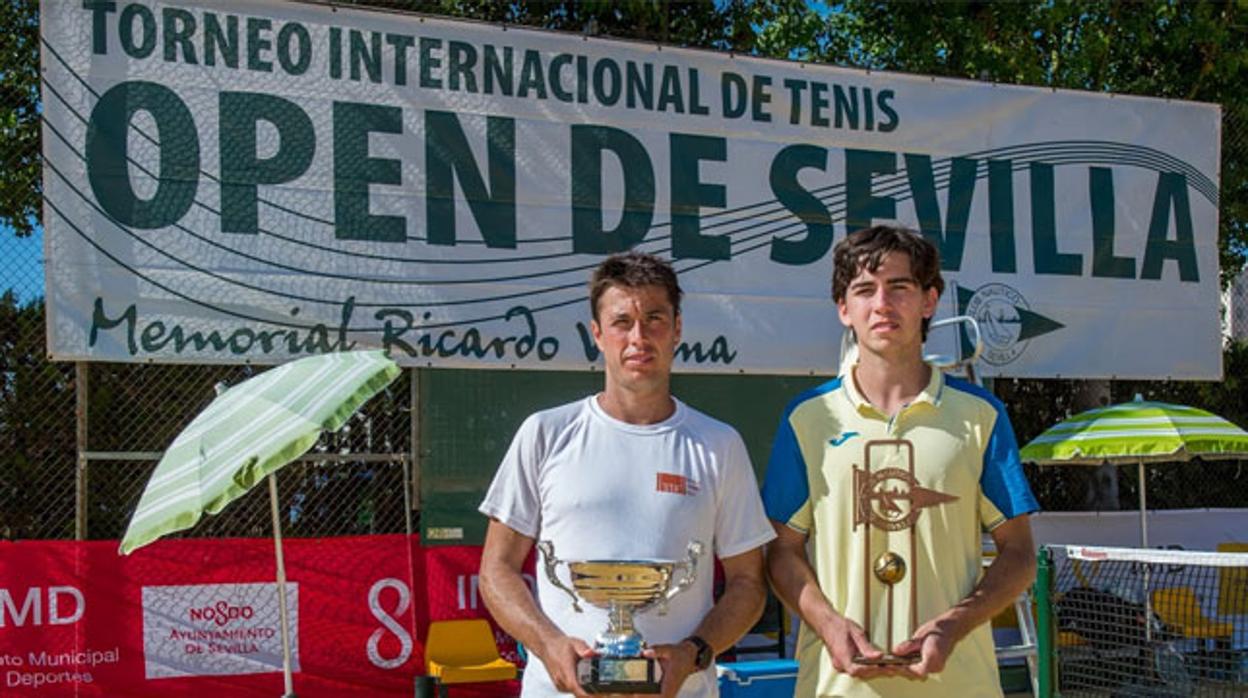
(249, 431)
(245, 435)
(1136, 433)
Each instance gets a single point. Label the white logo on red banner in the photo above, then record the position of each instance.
(386, 619)
(216, 629)
(64, 604)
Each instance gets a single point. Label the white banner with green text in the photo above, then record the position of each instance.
(255, 181)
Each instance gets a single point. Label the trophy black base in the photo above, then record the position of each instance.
(890, 660)
(619, 675)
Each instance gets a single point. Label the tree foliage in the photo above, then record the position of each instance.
(36, 452)
(21, 187)
(726, 26)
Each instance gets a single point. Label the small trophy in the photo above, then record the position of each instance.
(623, 588)
(890, 499)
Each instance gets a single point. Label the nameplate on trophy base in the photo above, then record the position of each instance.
(619, 675)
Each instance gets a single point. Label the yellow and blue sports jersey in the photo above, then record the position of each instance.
(838, 463)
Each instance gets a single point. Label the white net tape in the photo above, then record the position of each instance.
(1157, 557)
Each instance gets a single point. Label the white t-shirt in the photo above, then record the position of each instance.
(601, 489)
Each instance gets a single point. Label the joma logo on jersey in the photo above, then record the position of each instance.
(842, 438)
(676, 484)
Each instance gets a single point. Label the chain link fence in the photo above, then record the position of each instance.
(351, 482)
(354, 481)
(1235, 310)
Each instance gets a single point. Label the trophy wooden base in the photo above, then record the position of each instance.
(890, 660)
(619, 675)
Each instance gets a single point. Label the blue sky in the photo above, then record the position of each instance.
(22, 268)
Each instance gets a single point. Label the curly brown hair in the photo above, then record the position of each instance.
(866, 249)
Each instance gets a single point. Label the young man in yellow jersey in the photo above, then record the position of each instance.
(886, 283)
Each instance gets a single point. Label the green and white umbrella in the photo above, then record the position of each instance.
(248, 432)
(1137, 433)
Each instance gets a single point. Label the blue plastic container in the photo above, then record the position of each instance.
(770, 678)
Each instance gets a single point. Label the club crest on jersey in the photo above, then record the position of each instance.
(675, 484)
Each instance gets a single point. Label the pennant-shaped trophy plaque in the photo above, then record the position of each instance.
(888, 497)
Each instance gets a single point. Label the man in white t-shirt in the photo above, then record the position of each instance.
(629, 473)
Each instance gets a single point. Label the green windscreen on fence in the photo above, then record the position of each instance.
(469, 417)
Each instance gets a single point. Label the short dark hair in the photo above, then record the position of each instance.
(866, 249)
(633, 270)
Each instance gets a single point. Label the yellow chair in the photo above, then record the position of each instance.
(1233, 583)
(1179, 608)
(1070, 638)
(463, 651)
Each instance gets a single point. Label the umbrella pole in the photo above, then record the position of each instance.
(281, 588)
(1143, 510)
(1148, 597)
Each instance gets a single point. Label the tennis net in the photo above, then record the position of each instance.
(1137, 622)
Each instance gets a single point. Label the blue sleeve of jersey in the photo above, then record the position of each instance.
(785, 489)
(1002, 479)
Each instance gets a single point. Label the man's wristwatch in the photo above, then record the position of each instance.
(705, 654)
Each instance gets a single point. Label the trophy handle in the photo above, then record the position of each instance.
(550, 562)
(959, 362)
(689, 568)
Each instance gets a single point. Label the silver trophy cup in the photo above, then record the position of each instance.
(623, 588)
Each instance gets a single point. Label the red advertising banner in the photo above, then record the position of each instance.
(454, 590)
(200, 617)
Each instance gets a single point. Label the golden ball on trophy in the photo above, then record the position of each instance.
(890, 568)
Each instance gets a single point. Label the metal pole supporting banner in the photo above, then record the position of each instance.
(414, 447)
(80, 470)
(1043, 594)
(409, 458)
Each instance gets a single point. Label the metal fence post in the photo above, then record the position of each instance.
(1043, 594)
(80, 477)
(413, 459)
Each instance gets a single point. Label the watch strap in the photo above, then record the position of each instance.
(705, 655)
